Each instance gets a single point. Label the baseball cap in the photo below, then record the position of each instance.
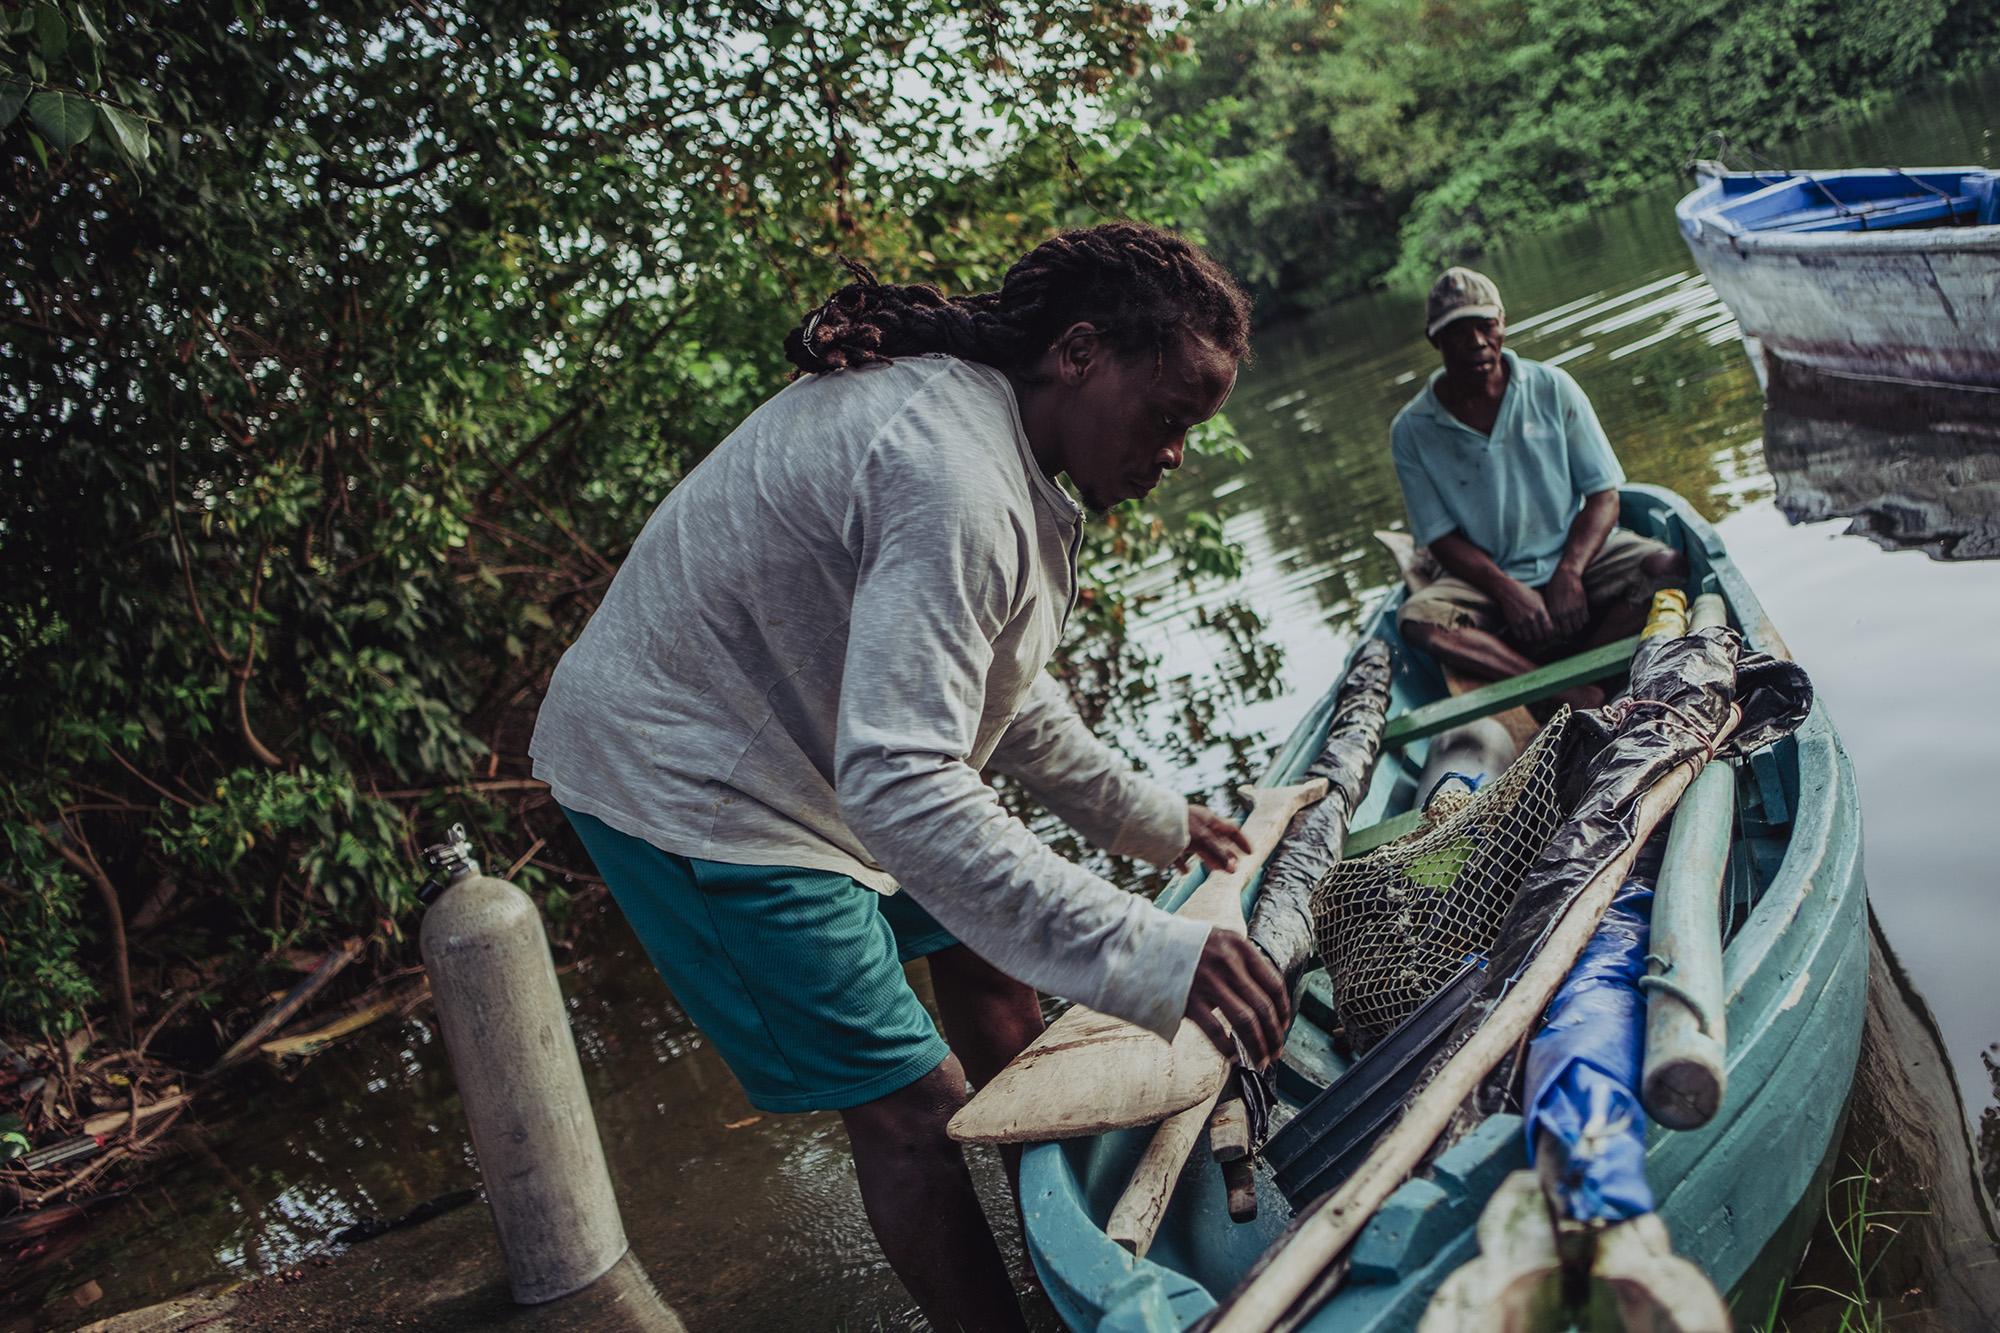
(1461, 293)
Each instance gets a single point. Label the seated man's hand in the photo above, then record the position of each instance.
(1568, 608)
(1236, 989)
(1216, 839)
(1528, 619)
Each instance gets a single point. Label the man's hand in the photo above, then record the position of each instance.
(1528, 619)
(1569, 609)
(1217, 840)
(1236, 989)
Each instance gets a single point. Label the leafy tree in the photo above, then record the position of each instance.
(345, 347)
(1357, 140)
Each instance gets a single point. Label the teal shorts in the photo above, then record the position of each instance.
(795, 976)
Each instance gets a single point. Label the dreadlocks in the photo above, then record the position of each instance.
(1141, 287)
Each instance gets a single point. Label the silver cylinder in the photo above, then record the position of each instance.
(522, 1086)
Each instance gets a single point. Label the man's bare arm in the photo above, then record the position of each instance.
(1528, 618)
(1563, 594)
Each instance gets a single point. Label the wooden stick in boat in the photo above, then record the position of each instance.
(1240, 1179)
(1229, 1144)
(1316, 1238)
(1135, 1218)
(1229, 1129)
(1089, 1072)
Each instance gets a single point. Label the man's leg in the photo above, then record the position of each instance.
(920, 1200)
(1485, 656)
(1623, 616)
(793, 975)
(1469, 650)
(989, 1018)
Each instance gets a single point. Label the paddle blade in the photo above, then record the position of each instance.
(1087, 1074)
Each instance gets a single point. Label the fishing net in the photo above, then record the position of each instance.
(1394, 926)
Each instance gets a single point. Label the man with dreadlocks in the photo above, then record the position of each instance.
(820, 640)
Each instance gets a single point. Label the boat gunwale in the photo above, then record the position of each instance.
(1699, 213)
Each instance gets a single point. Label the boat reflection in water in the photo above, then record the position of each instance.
(1915, 466)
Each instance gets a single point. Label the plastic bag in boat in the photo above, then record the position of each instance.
(1282, 924)
(1584, 1067)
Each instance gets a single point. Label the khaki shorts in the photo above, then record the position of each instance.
(1616, 575)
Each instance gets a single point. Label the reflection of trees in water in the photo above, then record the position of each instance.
(1688, 423)
(1119, 691)
(1914, 467)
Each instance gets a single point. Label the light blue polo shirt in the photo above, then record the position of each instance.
(1513, 493)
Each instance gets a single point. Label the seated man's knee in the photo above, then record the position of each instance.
(1419, 634)
(1667, 564)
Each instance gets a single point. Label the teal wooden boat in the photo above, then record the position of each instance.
(1738, 1196)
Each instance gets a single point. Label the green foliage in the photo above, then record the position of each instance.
(43, 986)
(346, 348)
(1358, 139)
(1861, 1233)
(13, 1143)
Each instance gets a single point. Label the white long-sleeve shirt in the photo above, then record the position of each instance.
(822, 637)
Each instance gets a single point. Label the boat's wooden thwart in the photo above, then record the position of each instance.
(1090, 1072)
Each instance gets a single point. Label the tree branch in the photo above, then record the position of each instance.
(86, 864)
(497, 784)
(127, 766)
(249, 665)
(186, 553)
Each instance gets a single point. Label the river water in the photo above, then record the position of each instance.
(754, 1222)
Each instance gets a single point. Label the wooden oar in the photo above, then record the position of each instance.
(1318, 1235)
(1282, 927)
(1090, 1072)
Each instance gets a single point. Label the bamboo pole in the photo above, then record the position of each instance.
(1687, 1044)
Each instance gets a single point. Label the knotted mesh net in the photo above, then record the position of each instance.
(1394, 926)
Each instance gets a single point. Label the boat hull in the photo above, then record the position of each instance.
(1796, 979)
(1914, 305)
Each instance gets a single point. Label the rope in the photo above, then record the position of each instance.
(1619, 711)
(1675, 989)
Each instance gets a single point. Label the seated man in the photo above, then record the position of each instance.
(1510, 482)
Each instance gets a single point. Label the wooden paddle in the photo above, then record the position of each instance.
(1317, 1236)
(1091, 1072)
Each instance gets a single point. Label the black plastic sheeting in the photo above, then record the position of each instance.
(1682, 689)
(1282, 923)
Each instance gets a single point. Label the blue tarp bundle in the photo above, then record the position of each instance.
(1584, 1067)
